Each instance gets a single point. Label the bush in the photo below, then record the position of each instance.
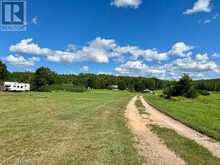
(44, 88)
(191, 93)
(168, 92)
(184, 87)
(122, 85)
(204, 93)
(44, 78)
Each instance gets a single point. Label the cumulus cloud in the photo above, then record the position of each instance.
(92, 52)
(21, 61)
(99, 50)
(27, 46)
(200, 6)
(135, 52)
(181, 49)
(202, 57)
(216, 55)
(84, 69)
(138, 68)
(199, 64)
(127, 3)
(133, 59)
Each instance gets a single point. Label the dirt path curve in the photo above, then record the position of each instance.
(159, 118)
(149, 146)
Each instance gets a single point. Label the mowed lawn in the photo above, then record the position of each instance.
(61, 128)
(202, 113)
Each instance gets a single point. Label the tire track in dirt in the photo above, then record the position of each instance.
(149, 146)
(157, 117)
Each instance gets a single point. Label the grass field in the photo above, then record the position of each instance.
(202, 113)
(188, 150)
(61, 128)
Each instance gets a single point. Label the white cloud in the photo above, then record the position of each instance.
(126, 3)
(199, 64)
(153, 54)
(202, 57)
(200, 6)
(27, 46)
(84, 69)
(181, 49)
(99, 50)
(20, 60)
(147, 54)
(195, 67)
(132, 58)
(35, 20)
(96, 51)
(209, 20)
(138, 68)
(216, 55)
(102, 50)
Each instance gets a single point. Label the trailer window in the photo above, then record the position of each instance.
(7, 86)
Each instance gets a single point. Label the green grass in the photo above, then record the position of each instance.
(202, 113)
(188, 150)
(140, 107)
(62, 128)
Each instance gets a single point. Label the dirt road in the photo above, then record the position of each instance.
(149, 146)
(156, 117)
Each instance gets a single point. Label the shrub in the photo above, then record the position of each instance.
(44, 88)
(191, 93)
(168, 92)
(184, 87)
(44, 78)
(122, 85)
(204, 93)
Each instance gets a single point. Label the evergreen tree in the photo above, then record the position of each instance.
(44, 77)
(3, 72)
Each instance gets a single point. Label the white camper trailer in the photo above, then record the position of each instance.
(16, 87)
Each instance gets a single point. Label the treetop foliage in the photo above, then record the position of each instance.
(184, 87)
(44, 78)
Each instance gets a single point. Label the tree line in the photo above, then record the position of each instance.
(44, 80)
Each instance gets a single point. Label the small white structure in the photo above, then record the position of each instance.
(114, 87)
(148, 91)
(16, 87)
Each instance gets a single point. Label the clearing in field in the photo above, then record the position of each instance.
(93, 127)
(65, 128)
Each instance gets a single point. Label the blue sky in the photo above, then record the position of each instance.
(151, 38)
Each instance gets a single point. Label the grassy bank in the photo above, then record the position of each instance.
(65, 128)
(202, 113)
(188, 150)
